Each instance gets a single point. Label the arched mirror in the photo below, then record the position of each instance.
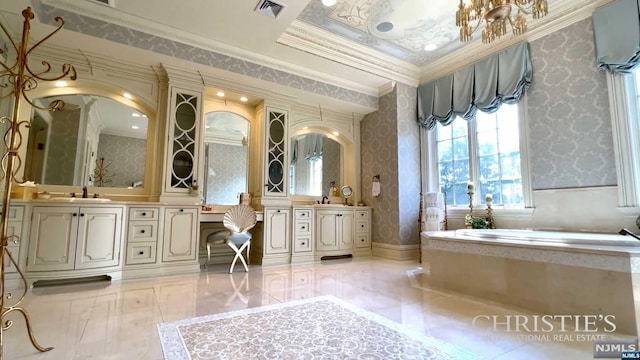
(93, 141)
(226, 157)
(315, 165)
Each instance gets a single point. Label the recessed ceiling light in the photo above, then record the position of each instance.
(244, 99)
(328, 2)
(128, 96)
(61, 83)
(336, 133)
(220, 93)
(135, 127)
(430, 47)
(135, 115)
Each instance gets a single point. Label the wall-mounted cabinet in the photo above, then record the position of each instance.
(276, 163)
(183, 133)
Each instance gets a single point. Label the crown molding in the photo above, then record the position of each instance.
(561, 14)
(319, 42)
(386, 88)
(111, 15)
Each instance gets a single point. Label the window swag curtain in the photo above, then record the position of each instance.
(616, 33)
(485, 85)
(313, 147)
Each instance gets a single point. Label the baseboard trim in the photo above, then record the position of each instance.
(396, 252)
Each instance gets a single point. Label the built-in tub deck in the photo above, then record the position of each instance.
(547, 272)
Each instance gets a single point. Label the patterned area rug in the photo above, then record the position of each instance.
(317, 328)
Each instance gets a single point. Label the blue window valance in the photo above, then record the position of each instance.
(616, 33)
(485, 85)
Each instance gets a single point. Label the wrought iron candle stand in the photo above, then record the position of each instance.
(101, 175)
(19, 79)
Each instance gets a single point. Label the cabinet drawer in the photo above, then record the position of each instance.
(143, 214)
(302, 244)
(360, 214)
(362, 226)
(363, 241)
(142, 231)
(302, 214)
(141, 253)
(15, 213)
(303, 227)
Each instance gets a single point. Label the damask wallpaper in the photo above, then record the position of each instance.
(391, 149)
(569, 122)
(126, 158)
(226, 173)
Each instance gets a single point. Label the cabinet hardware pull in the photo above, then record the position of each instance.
(142, 231)
(302, 243)
(362, 226)
(277, 210)
(74, 214)
(144, 214)
(141, 253)
(303, 228)
(81, 214)
(181, 210)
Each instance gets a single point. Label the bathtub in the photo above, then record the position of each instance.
(558, 237)
(545, 272)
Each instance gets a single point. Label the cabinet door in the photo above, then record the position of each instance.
(99, 237)
(345, 220)
(277, 233)
(13, 228)
(52, 243)
(276, 153)
(180, 234)
(184, 132)
(327, 231)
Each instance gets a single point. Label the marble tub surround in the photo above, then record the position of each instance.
(547, 278)
(119, 321)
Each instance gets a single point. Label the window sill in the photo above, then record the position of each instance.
(498, 212)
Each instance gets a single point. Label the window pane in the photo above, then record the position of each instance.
(461, 148)
(452, 146)
(459, 127)
(445, 152)
(487, 142)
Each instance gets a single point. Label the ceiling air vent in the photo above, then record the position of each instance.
(269, 8)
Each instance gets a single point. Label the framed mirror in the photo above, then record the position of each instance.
(93, 141)
(315, 165)
(226, 157)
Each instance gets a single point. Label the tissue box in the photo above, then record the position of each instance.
(23, 192)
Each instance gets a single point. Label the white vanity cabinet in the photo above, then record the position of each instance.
(71, 237)
(363, 228)
(142, 235)
(181, 234)
(276, 246)
(334, 230)
(302, 234)
(14, 228)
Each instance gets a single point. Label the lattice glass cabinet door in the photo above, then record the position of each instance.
(184, 134)
(276, 162)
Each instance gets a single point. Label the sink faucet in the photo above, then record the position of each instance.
(84, 192)
(325, 198)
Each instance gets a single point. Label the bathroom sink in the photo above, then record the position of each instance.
(334, 205)
(82, 200)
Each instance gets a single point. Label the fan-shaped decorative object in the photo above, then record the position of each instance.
(239, 218)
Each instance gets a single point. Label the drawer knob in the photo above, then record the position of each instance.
(142, 231)
(181, 210)
(141, 253)
(304, 214)
(303, 228)
(302, 243)
(75, 214)
(81, 214)
(144, 214)
(361, 226)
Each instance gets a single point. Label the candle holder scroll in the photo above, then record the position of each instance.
(20, 78)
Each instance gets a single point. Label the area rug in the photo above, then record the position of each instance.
(317, 328)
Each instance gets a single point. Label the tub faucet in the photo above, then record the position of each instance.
(628, 232)
(84, 192)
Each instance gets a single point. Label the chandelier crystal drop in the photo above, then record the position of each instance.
(496, 14)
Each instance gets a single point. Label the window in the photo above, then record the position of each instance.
(485, 150)
(315, 177)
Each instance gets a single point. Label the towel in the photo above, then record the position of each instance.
(375, 189)
(434, 199)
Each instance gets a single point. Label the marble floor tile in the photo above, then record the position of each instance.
(118, 320)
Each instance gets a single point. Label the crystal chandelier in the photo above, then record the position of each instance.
(496, 14)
